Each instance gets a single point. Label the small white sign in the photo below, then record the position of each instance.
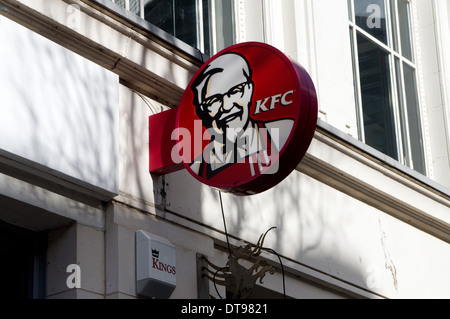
(155, 265)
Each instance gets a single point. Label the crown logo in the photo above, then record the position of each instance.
(155, 253)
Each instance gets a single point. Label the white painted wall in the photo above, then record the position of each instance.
(325, 234)
(433, 38)
(330, 235)
(57, 109)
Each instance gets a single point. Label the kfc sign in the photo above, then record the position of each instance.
(245, 120)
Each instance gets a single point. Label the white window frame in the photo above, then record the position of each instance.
(405, 159)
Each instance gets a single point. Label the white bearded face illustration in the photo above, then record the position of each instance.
(225, 94)
(247, 112)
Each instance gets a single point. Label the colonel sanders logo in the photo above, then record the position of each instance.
(243, 109)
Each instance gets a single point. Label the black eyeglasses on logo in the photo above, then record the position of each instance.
(218, 98)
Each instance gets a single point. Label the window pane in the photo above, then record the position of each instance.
(160, 13)
(186, 21)
(370, 15)
(207, 28)
(405, 29)
(376, 99)
(177, 17)
(415, 132)
(224, 23)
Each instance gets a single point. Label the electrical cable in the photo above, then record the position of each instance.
(224, 223)
(228, 244)
(282, 268)
(214, 280)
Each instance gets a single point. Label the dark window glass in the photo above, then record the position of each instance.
(160, 13)
(377, 108)
(207, 27)
(177, 17)
(186, 21)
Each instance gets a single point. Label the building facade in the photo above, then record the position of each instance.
(366, 213)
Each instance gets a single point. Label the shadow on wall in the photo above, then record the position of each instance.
(312, 220)
(135, 108)
(59, 110)
(315, 227)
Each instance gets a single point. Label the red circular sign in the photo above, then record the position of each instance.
(246, 119)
